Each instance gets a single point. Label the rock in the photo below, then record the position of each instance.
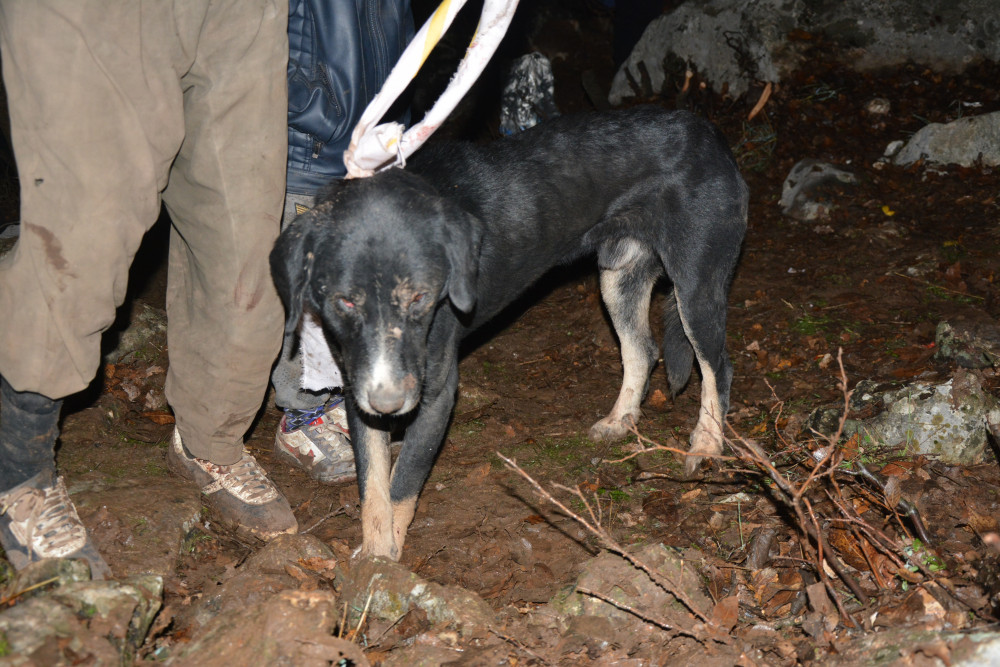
(63, 570)
(529, 94)
(613, 577)
(732, 43)
(422, 656)
(964, 142)
(898, 646)
(269, 571)
(86, 622)
(138, 523)
(800, 196)
(293, 628)
(694, 34)
(948, 421)
(971, 342)
(147, 329)
(394, 591)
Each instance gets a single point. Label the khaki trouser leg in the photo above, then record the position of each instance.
(102, 97)
(225, 198)
(94, 136)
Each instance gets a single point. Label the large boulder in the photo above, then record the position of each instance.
(732, 43)
(947, 421)
(965, 142)
(101, 623)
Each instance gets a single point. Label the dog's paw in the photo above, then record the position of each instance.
(702, 442)
(377, 550)
(692, 467)
(610, 429)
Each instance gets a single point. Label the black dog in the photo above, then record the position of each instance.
(399, 267)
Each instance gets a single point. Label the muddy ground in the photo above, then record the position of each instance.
(900, 251)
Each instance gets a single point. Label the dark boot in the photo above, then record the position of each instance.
(29, 426)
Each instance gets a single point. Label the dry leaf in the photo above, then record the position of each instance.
(847, 546)
(159, 417)
(478, 474)
(691, 495)
(893, 492)
(307, 582)
(657, 399)
(981, 523)
(820, 601)
(726, 612)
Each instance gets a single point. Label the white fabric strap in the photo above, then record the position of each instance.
(376, 147)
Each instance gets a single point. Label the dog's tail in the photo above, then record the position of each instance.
(678, 355)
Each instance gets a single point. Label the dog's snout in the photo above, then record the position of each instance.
(394, 398)
(386, 400)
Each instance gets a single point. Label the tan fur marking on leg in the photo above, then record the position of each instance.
(402, 516)
(625, 412)
(707, 436)
(376, 509)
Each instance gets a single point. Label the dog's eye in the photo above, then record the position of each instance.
(418, 302)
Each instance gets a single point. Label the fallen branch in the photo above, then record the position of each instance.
(323, 519)
(626, 608)
(7, 599)
(650, 446)
(660, 579)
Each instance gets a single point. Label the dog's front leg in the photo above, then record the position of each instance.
(371, 456)
(423, 439)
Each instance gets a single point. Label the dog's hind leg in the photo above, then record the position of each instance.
(628, 272)
(678, 355)
(702, 311)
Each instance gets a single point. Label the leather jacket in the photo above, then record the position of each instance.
(340, 53)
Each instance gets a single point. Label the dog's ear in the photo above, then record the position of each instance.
(463, 234)
(292, 260)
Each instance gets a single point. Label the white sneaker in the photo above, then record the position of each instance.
(322, 447)
(240, 493)
(40, 521)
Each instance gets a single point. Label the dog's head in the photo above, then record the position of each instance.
(376, 259)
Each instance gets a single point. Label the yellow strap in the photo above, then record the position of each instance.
(435, 30)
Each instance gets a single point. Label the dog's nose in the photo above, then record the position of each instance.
(387, 400)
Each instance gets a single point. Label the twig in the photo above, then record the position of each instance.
(13, 596)
(327, 516)
(764, 96)
(627, 608)
(519, 645)
(834, 562)
(343, 623)
(788, 495)
(364, 616)
(661, 580)
(657, 447)
(936, 286)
